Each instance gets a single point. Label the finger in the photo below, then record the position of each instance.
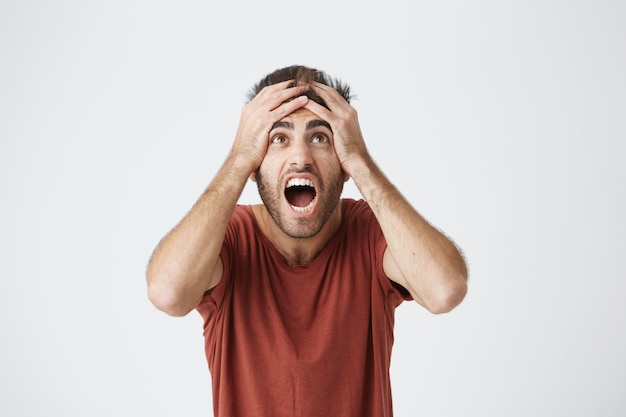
(319, 110)
(329, 94)
(270, 91)
(276, 94)
(290, 93)
(288, 107)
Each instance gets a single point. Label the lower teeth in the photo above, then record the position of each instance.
(303, 209)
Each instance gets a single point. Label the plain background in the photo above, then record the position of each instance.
(502, 122)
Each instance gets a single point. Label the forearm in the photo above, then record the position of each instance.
(186, 262)
(419, 257)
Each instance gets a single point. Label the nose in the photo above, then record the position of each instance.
(300, 155)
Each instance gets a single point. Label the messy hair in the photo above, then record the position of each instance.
(302, 75)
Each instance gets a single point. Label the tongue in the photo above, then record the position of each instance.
(300, 197)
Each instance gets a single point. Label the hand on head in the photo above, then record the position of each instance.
(277, 101)
(343, 119)
(273, 103)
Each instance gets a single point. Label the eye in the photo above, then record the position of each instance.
(278, 139)
(320, 138)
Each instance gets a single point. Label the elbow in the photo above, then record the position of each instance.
(169, 303)
(169, 300)
(448, 295)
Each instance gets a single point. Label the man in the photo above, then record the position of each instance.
(298, 293)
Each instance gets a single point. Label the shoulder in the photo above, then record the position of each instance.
(354, 207)
(359, 220)
(241, 222)
(356, 211)
(242, 213)
(242, 217)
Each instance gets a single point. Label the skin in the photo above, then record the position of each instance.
(186, 262)
(418, 256)
(300, 147)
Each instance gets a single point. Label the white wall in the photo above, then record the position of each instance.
(503, 122)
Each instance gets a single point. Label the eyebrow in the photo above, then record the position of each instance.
(310, 125)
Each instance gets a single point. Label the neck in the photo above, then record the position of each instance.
(297, 251)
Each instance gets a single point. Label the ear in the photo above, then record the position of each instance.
(253, 176)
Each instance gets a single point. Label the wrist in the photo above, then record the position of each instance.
(240, 164)
(368, 178)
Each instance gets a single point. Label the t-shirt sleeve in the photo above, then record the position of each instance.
(394, 290)
(213, 298)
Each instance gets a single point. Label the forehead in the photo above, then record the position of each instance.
(301, 118)
(304, 114)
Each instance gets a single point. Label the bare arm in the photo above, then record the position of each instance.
(418, 256)
(186, 262)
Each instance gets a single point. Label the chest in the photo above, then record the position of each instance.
(316, 311)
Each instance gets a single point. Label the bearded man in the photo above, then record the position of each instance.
(298, 294)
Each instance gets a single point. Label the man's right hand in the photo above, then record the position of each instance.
(269, 106)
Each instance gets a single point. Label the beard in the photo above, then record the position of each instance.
(300, 227)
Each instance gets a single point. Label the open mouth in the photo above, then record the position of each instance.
(300, 193)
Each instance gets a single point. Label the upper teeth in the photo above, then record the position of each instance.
(299, 182)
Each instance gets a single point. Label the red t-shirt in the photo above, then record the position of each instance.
(302, 341)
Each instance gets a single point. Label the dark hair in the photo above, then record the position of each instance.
(302, 75)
